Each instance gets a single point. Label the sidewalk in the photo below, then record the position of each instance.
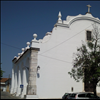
(6, 95)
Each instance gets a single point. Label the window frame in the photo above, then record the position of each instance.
(86, 35)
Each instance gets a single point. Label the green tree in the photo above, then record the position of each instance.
(86, 64)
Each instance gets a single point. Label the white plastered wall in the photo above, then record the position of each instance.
(54, 80)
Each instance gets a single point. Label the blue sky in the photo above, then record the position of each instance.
(21, 19)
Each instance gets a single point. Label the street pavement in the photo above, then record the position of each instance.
(6, 95)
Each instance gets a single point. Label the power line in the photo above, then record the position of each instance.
(60, 44)
(39, 54)
(53, 47)
(56, 59)
(64, 41)
(11, 46)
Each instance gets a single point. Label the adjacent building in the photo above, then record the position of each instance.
(5, 84)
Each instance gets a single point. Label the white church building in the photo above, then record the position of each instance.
(41, 69)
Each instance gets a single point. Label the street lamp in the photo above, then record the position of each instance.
(38, 67)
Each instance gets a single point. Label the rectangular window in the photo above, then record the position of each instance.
(88, 33)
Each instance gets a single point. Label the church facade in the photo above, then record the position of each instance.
(41, 69)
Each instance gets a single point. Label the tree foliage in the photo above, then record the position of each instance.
(86, 64)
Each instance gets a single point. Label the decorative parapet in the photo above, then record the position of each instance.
(35, 42)
(59, 18)
(22, 53)
(15, 58)
(70, 19)
(34, 45)
(19, 54)
(40, 40)
(28, 43)
(48, 33)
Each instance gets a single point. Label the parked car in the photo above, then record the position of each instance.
(83, 95)
(65, 95)
(72, 96)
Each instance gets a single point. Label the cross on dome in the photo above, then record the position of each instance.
(88, 8)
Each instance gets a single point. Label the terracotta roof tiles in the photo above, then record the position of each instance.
(4, 79)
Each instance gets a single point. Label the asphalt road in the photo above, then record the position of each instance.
(6, 95)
